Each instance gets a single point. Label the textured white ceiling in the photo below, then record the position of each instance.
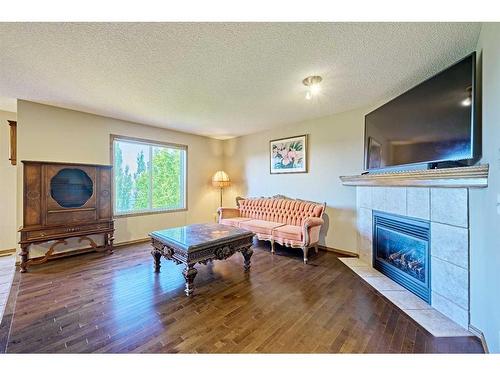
(221, 79)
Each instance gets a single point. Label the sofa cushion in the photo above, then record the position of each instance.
(260, 226)
(288, 232)
(234, 221)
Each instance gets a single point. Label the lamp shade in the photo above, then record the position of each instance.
(220, 179)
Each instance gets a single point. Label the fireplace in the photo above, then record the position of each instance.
(401, 251)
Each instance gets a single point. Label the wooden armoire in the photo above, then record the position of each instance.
(65, 200)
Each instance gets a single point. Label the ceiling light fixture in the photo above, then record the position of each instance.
(313, 87)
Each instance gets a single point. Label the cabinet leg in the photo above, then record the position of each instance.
(24, 258)
(111, 240)
(106, 241)
(189, 275)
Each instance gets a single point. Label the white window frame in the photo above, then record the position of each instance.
(152, 144)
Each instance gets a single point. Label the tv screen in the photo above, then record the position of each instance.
(431, 123)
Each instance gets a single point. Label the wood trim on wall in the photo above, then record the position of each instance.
(13, 142)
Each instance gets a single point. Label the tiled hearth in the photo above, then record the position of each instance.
(447, 210)
(432, 320)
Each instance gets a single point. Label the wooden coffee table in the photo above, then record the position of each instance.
(200, 243)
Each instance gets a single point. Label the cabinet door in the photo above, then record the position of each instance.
(70, 193)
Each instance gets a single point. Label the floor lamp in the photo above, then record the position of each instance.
(221, 180)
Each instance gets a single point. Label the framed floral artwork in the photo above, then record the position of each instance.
(288, 155)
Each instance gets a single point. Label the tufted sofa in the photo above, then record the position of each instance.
(289, 222)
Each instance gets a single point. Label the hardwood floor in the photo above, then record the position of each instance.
(95, 303)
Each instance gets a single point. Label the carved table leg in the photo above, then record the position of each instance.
(157, 258)
(189, 274)
(24, 258)
(247, 254)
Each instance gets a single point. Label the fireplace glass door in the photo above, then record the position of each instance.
(401, 251)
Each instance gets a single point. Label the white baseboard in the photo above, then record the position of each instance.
(343, 252)
(7, 252)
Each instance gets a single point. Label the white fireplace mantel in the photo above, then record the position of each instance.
(461, 177)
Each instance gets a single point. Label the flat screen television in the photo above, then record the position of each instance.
(434, 124)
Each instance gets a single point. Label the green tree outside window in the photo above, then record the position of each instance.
(148, 177)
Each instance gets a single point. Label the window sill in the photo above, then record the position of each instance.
(131, 214)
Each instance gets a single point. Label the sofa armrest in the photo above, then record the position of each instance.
(313, 222)
(310, 229)
(227, 212)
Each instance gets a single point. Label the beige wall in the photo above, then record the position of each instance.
(484, 203)
(56, 134)
(335, 149)
(7, 186)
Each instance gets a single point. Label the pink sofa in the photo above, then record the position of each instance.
(289, 222)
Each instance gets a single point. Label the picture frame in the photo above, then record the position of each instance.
(288, 155)
(374, 154)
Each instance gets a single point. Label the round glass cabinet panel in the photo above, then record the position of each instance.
(71, 187)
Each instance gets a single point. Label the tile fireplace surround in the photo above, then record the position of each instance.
(447, 210)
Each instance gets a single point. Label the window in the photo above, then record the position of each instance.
(149, 177)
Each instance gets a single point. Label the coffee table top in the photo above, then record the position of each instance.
(196, 236)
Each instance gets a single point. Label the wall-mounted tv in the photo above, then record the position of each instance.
(434, 124)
